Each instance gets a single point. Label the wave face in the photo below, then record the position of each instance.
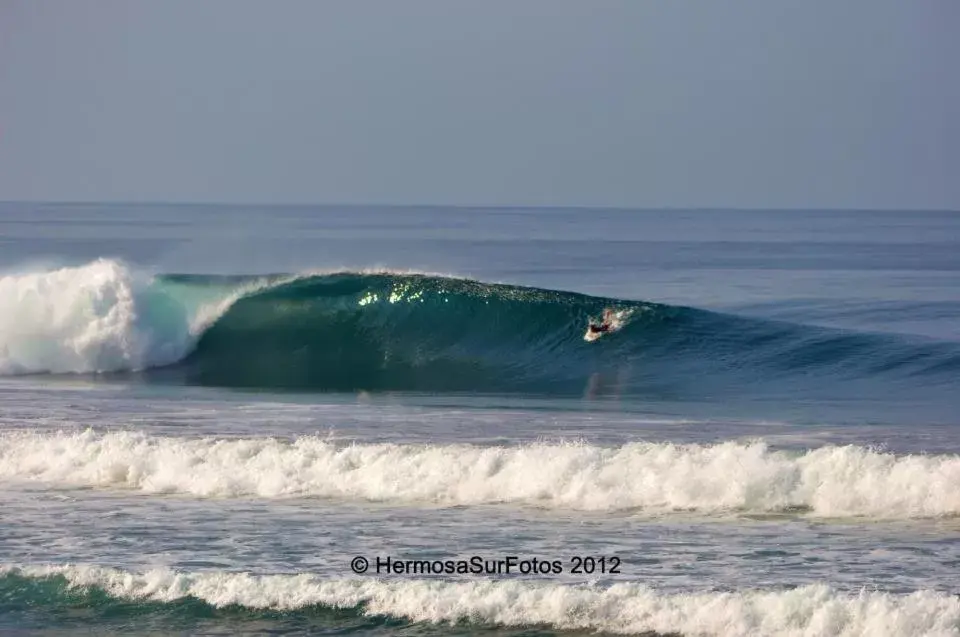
(625, 608)
(834, 482)
(423, 333)
(396, 332)
(390, 331)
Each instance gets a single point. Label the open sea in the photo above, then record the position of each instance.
(231, 420)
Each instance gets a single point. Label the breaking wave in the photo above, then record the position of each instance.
(832, 481)
(388, 331)
(624, 608)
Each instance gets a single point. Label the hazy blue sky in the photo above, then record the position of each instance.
(759, 103)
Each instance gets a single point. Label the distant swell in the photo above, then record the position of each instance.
(626, 608)
(839, 482)
(390, 331)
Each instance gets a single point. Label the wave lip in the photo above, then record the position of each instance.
(729, 477)
(625, 608)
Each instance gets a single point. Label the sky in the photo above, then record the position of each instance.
(633, 103)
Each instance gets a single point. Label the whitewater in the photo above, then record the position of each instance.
(98, 317)
(620, 608)
(834, 482)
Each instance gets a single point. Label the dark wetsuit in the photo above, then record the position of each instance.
(603, 327)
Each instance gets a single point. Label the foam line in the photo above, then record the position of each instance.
(625, 608)
(832, 481)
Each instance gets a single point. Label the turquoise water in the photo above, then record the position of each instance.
(206, 413)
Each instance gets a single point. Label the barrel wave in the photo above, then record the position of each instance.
(351, 331)
(413, 332)
(388, 331)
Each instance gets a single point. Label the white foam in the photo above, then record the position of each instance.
(626, 608)
(732, 476)
(98, 317)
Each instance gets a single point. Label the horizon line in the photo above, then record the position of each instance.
(491, 207)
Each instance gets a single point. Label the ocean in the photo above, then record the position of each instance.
(230, 420)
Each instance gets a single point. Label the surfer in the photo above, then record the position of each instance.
(605, 323)
(599, 329)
